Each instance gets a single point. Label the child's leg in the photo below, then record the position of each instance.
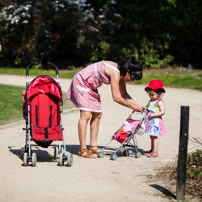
(148, 152)
(154, 143)
(152, 147)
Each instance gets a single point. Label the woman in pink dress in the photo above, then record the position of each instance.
(83, 92)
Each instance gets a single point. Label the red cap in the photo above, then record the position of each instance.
(155, 84)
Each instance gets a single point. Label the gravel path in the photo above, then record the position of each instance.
(95, 179)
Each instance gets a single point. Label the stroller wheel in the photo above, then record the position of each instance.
(60, 150)
(113, 157)
(126, 152)
(61, 159)
(22, 152)
(100, 154)
(138, 155)
(25, 159)
(56, 153)
(34, 159)
(69, 160)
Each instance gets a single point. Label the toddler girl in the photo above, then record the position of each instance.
(154, 125)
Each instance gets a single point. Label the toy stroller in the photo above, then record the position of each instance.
(42, 110)
(123, 137)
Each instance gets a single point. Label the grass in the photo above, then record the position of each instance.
(11, 104)
(36, 72)
(174, 81)
(171, 77)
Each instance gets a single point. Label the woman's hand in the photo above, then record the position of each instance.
(138, 108)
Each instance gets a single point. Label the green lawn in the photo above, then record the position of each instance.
(175, 81)
(11, 104)
(37, 72)
(11, 96)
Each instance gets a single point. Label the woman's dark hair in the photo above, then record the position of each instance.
(129, 65)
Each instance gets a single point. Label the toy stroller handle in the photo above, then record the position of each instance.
(145, 109)
(56, 68)
(27, 68)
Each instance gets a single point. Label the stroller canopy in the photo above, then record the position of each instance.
(45, 85)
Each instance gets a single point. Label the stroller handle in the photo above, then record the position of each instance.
(27, 68)
(56, 68)
(49, 63)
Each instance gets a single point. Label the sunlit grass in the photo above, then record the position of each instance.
(11, 96)
(174, 81)
(37, 72)
(11, 104)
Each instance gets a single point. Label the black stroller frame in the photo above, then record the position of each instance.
(59, 150)
(126, 142)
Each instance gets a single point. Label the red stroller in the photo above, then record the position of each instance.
(124, 138)
(42, 110)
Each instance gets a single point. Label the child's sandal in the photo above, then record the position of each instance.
(153, 154)
(85, 153)
(95, 150)
(147, 153)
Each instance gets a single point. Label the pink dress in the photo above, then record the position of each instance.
(83, 91)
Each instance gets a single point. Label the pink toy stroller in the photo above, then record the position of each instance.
(124, 137)
(42, 110)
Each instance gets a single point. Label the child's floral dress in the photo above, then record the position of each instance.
(154, 126)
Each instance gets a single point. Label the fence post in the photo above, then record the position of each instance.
(182, 157)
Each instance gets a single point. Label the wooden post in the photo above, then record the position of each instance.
(182, 158)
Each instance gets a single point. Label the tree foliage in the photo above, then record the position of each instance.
(157, 33)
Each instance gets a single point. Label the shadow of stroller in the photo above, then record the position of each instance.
(163, 190)
(42, 156)
(120, 152)
(74, 149)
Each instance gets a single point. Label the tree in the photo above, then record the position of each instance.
(33, 30)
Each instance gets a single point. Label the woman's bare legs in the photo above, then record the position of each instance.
(82, 128)
(94, 128)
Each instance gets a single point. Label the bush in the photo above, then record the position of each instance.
(193, 173)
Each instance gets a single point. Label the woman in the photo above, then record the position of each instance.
(84, 95)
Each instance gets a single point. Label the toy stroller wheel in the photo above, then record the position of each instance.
(126, 152)
(113, 157)
(69, 160)
(25, 159)
(100, 154)
(61, 160)
(138, 155)
(34, 159)
(56, 153)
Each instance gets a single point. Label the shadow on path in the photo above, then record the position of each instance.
(165, 191)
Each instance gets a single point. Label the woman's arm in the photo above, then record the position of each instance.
(120, 94)
(161, 111)
(124, 93)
